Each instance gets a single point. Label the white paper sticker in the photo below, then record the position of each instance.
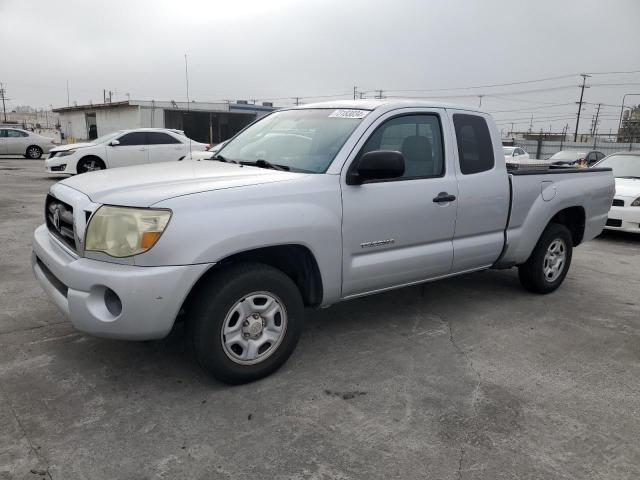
(348, 113)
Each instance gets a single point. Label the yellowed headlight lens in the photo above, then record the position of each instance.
(125, 231)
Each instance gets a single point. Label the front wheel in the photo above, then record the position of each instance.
(90, 164)
(245, 323)
(549, 262)
(34, 152)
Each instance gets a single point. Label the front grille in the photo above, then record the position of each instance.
(618, 203)
(59, 218)
(52, 154)
(612, 222)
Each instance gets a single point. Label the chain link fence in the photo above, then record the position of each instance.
(544, 149)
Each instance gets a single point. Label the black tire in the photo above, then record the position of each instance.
(216, 299)
(532, 273)
(33, 152)
(90, 164)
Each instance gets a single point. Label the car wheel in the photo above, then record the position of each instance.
(245, 323)
(90, 164)
(34, 152)
(549, 262)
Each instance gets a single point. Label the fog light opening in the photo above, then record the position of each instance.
(112, 302)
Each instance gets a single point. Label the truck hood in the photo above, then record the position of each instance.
(628, 187)
(144, 185)
(72, 146)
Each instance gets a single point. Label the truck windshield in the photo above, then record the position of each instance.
(623, 165)
(302, 140)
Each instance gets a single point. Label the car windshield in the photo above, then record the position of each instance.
(106, 138)
(508, 150)
(622, 165)
(568, 155)
(303, 140)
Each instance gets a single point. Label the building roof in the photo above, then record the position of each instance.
(170, 105)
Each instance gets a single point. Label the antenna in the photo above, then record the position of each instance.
(186, 76)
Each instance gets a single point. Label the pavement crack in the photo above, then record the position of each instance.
(24, 434)
(460, 460)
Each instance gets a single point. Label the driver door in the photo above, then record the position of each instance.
(132, 150)
(398, 231)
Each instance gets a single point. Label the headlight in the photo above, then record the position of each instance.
(636, 202)
(124, 231)
(64, 153)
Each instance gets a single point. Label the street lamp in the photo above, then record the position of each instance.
(622, 108)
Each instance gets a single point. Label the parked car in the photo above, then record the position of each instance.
(386, 194)
(576, 158)
(625, 210)
(515, 154)
(16, 141)
(209, 153)
(122, 148)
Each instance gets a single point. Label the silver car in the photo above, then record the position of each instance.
(16, 141)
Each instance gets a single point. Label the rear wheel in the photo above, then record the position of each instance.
(90, 164)
(549, 262)
(34, 152)
(245, 323)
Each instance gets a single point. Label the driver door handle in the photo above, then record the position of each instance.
(444, 197)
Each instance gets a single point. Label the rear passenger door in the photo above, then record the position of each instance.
(16, 142)
(393, 232)
(483, 192)
(164, 148)
(131, 150)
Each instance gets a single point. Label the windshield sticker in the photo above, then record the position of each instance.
(348, 113)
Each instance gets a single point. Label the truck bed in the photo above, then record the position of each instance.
(537, 196)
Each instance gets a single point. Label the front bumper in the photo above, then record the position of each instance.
(66, 164)
(625, 219)
(146, 302)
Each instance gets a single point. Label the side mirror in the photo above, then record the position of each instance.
(114, 143)
(376, 165)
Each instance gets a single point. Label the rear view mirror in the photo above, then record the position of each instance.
(114, 143)
(376, 165)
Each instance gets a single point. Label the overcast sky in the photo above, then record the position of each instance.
(246, 49)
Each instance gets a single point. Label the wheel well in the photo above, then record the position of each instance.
(90, 157)
(296, 261)
(574, 219)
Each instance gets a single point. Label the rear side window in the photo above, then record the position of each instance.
(16, 134)
(475, 148)
(133, 138)
(159, 138)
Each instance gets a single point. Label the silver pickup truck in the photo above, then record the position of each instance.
(304, 208)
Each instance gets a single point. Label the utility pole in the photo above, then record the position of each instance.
(584, 80)
(104, 96)
(595, 122)
(68, 104)
(379, 96)
(480, 103)
(4, 109)
(297, 100)
(511, 129)
(531, 124)
(355, 92)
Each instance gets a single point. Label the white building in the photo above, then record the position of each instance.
(201, 121)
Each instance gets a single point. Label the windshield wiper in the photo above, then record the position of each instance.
(220, 158)
(266, 164)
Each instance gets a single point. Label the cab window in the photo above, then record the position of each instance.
(475, 148)
(417, 137)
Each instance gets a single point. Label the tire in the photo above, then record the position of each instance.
(227, 313)
(549, 262)
(33, 152)
(90, 164)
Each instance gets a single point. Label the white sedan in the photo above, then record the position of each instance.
(625, 211)
(514, 154)
(121, 149)
(16, 141)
